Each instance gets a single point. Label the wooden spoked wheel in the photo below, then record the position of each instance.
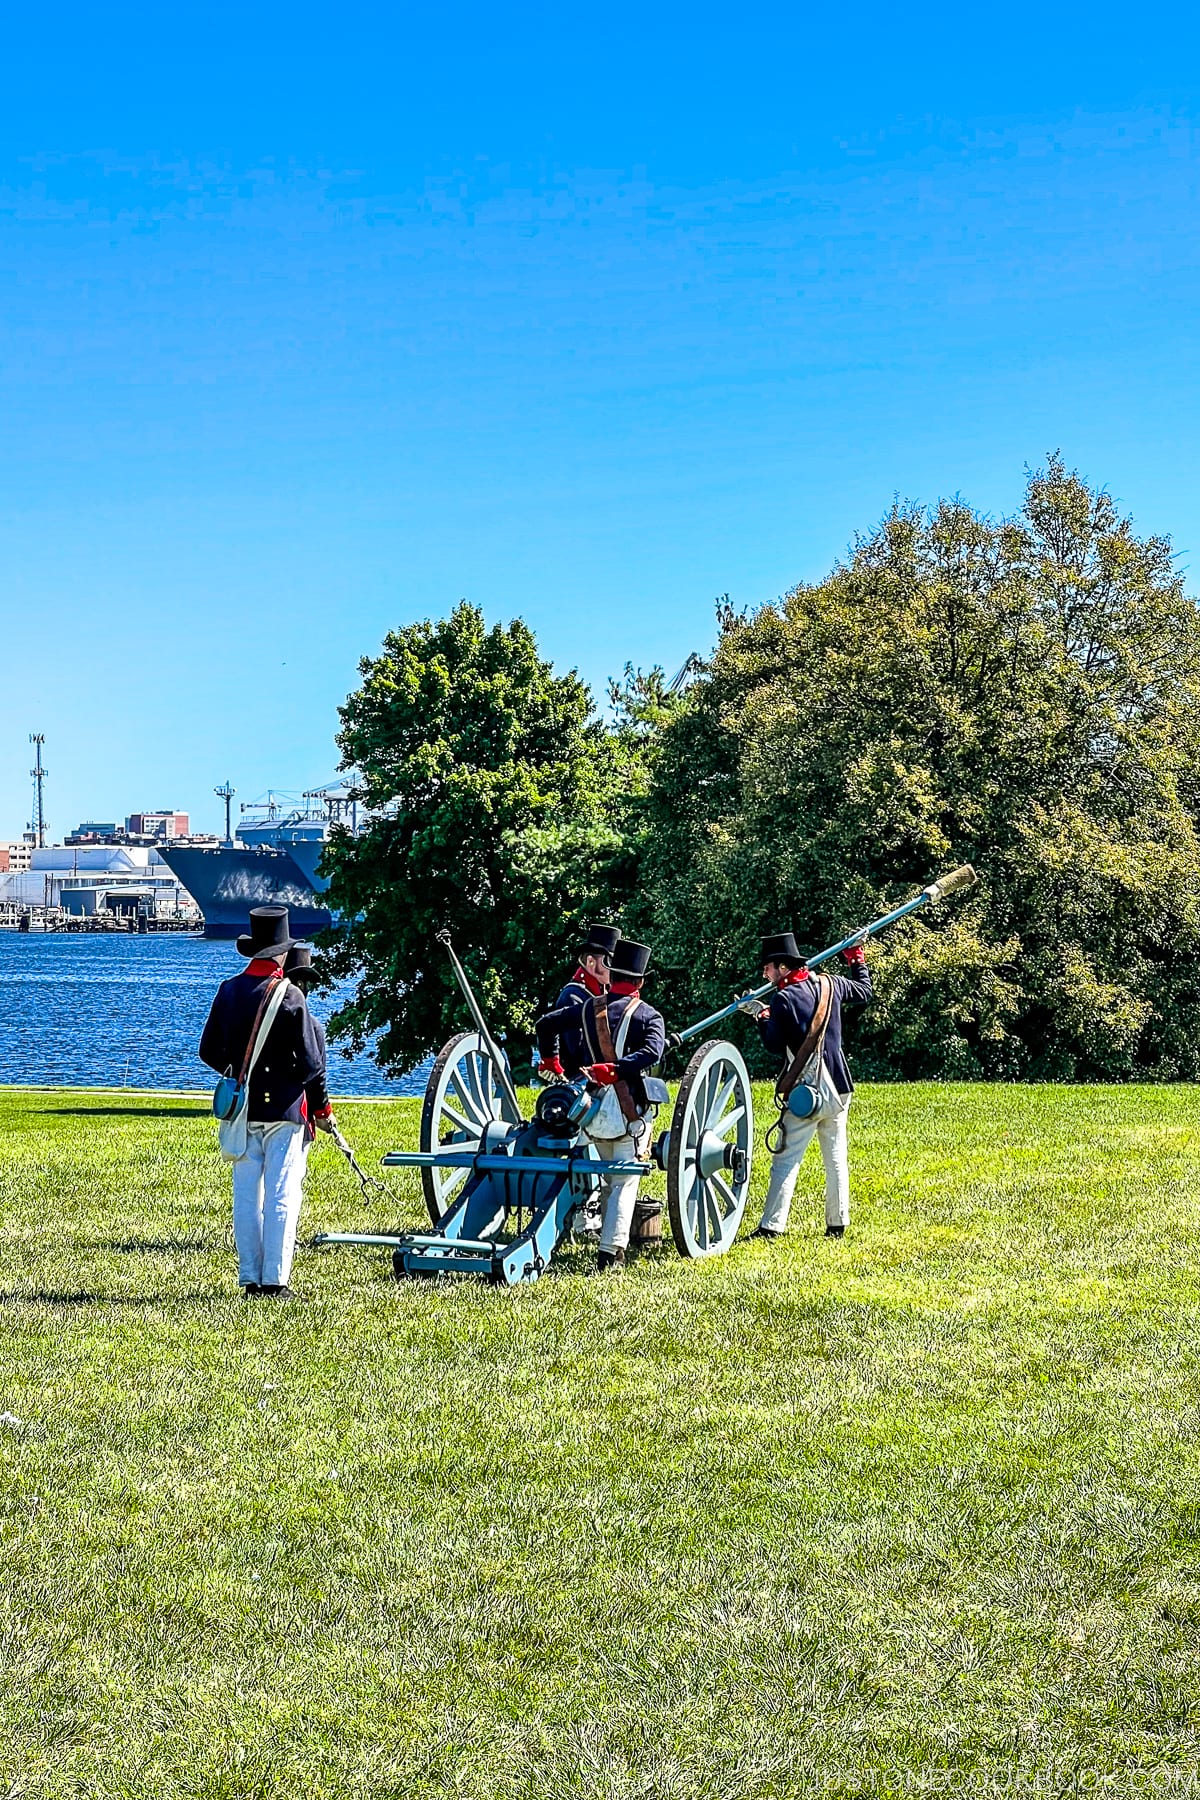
(708, 1163)
(462, 1098)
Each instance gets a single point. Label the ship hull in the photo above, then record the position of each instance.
(226, 882)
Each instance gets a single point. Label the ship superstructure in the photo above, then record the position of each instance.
(273, 859)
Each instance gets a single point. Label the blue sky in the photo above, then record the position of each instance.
(313, 322)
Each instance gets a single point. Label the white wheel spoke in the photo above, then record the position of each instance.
(721, 1102)
(472, 1068)
(698, 1209)
(469, 1126)
(728, 1122)
(726, 1192)
(467, 1098)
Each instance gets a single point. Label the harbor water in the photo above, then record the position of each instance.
(115, 1010)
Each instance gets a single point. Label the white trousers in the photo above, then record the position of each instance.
(785, 1166)
(266, 1202)
(618, 1193)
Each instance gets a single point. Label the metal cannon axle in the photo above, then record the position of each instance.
(498, 1162)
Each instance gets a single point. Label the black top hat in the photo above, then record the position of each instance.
(299, 964)
(781, 947)
(630, 961)
(269, 933)
(601, 940)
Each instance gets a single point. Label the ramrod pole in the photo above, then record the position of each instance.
(952, 883)
(497, 1061)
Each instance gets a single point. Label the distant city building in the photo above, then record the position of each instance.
(139, 828)
(157, 824)
(15, 854)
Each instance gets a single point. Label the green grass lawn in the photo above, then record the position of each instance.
(914, 1512)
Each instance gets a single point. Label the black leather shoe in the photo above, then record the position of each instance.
(610, 1261)
(764, 1231)
(277, 1293)
(835, 1231)
(251, 1290)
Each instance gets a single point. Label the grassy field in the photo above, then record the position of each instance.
(917, 1512)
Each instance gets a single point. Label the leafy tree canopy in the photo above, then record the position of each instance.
(1024, 695)
(491, 788)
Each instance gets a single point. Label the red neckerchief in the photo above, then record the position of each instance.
(264, 965)
(588, 981)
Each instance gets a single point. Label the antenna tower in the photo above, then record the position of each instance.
(226, 794)
(38, 823)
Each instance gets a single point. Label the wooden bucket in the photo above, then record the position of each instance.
(647, 1228)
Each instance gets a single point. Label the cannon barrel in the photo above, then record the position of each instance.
(953, 883)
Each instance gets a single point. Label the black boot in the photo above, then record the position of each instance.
(764, 1231)
(277, 1293)
(609, 1261)
(251, 1290)
(835, 1231)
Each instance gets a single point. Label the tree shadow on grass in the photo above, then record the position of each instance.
(165, 1246)
(130, 1112)
(45, 1297)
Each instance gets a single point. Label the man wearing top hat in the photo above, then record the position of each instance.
(560, 1043)
(784, 1025)
(620, 1052)
(287, 1098)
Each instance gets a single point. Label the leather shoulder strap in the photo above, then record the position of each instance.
(604, 1036)
(814, 1039)
(611, 1053)
(272, 1000)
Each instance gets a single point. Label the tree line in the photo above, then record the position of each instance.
(1022, 694)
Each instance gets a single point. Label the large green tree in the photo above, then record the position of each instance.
(1021, 694)
(491, 787)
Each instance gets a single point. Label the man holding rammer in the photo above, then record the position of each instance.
(786, 1026)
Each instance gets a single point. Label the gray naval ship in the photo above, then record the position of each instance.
(273, 859)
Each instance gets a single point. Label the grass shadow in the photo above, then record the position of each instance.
(130, 1112)
(44, 1297)
(167, 1246)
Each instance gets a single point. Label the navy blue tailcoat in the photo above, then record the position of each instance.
(288, 1082)
(784, 1026)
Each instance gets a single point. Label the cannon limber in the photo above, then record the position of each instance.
(501, 1190)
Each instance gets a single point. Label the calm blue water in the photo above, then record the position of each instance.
(119, 1011)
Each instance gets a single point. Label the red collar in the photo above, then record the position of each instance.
(623, 987)
(264, 965)
(588, 981)
(794, 977)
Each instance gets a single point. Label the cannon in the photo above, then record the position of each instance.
(501, 1190)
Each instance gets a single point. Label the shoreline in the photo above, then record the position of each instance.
(156, 1093)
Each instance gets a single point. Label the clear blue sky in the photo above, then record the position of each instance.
(313, 321)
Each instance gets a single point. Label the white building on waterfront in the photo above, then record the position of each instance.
(87, 879)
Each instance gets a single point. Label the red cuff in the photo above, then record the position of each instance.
(552, 1063)
(325, 1112)
(855, 955)
(603, 1074)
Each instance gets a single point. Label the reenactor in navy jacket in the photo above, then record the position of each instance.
(784, 1026)
(288, 1098)
(636, 1033)
(560, 1044)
